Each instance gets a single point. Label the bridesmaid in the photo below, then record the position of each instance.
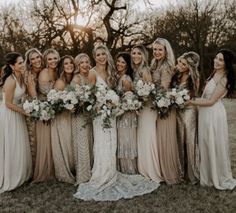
(215, 167)
(148, 163)
(162, 71)
(15, 157)
(82, 136)
(61, 133)
(44, 168)
(187, 77)
(33, 65)
(126, 123)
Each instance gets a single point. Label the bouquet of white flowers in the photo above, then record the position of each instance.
(106, 105)
(143, 89)
(39, 110)
(179, 97)
(32, 108)
(162, 102)
(55, 99)
(129, 102)
(46, 111)
(86, 97)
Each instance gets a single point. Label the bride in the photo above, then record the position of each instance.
(106, 183)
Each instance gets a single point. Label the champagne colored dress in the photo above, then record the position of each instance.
(62, 147)
(15, 156)
(215, 169)
(44, 167)
(167, 145)
(127, 137)
(82, 138)
(188, 141)
(148, 156)
(31, 127)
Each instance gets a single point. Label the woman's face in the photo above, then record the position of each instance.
(52, 60)
(159, 52)
(136, 56)
(84, 65)
(35, 60)
(121, 65)
(182, 65)
(219, 62)
(100, 57)
(68, 66)
(19, 66)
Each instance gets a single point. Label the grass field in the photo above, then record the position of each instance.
(57, 197)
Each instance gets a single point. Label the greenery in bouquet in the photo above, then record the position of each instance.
(106, 105)
(129, 102)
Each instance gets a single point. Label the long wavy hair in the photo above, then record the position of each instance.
(229, 58)
(126, 56)
(78, 60)
(28, 66)
(169, 59)
(61, 71)
(111, 79)
(10, 59)
(192, 59)
(144, 63)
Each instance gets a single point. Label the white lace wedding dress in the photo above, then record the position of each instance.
(106, 183)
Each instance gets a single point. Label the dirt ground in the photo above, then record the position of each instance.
(57, 197)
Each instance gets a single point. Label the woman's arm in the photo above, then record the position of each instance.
(31, 87)
(9, 88)
(219, 91)
(92, 78)
(127, 85)
(76, 80)
(166, 77)
(59, 85)
(147, 76)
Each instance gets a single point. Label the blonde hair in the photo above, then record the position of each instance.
(47, 52)
(169, 59)
(78, 60)
(144, 63)
(111, 79)
(28, 65)
(192, 59)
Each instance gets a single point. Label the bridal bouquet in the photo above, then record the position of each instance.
(143, 89)
(129, 102)
(55, 99)
(86, 97)
(106, 105)
(39, 110)
(179, 97)
(32, 108)
(162, 102)
(70, 99)
(63, 100)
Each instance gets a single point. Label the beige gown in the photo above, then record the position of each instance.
(15, 157)
(44, 167)
(62, 147)
(148, 156)
(167, 145)
(82, 138)
(215, 169)
(31, 127)
(127, 138)
(188, 142)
